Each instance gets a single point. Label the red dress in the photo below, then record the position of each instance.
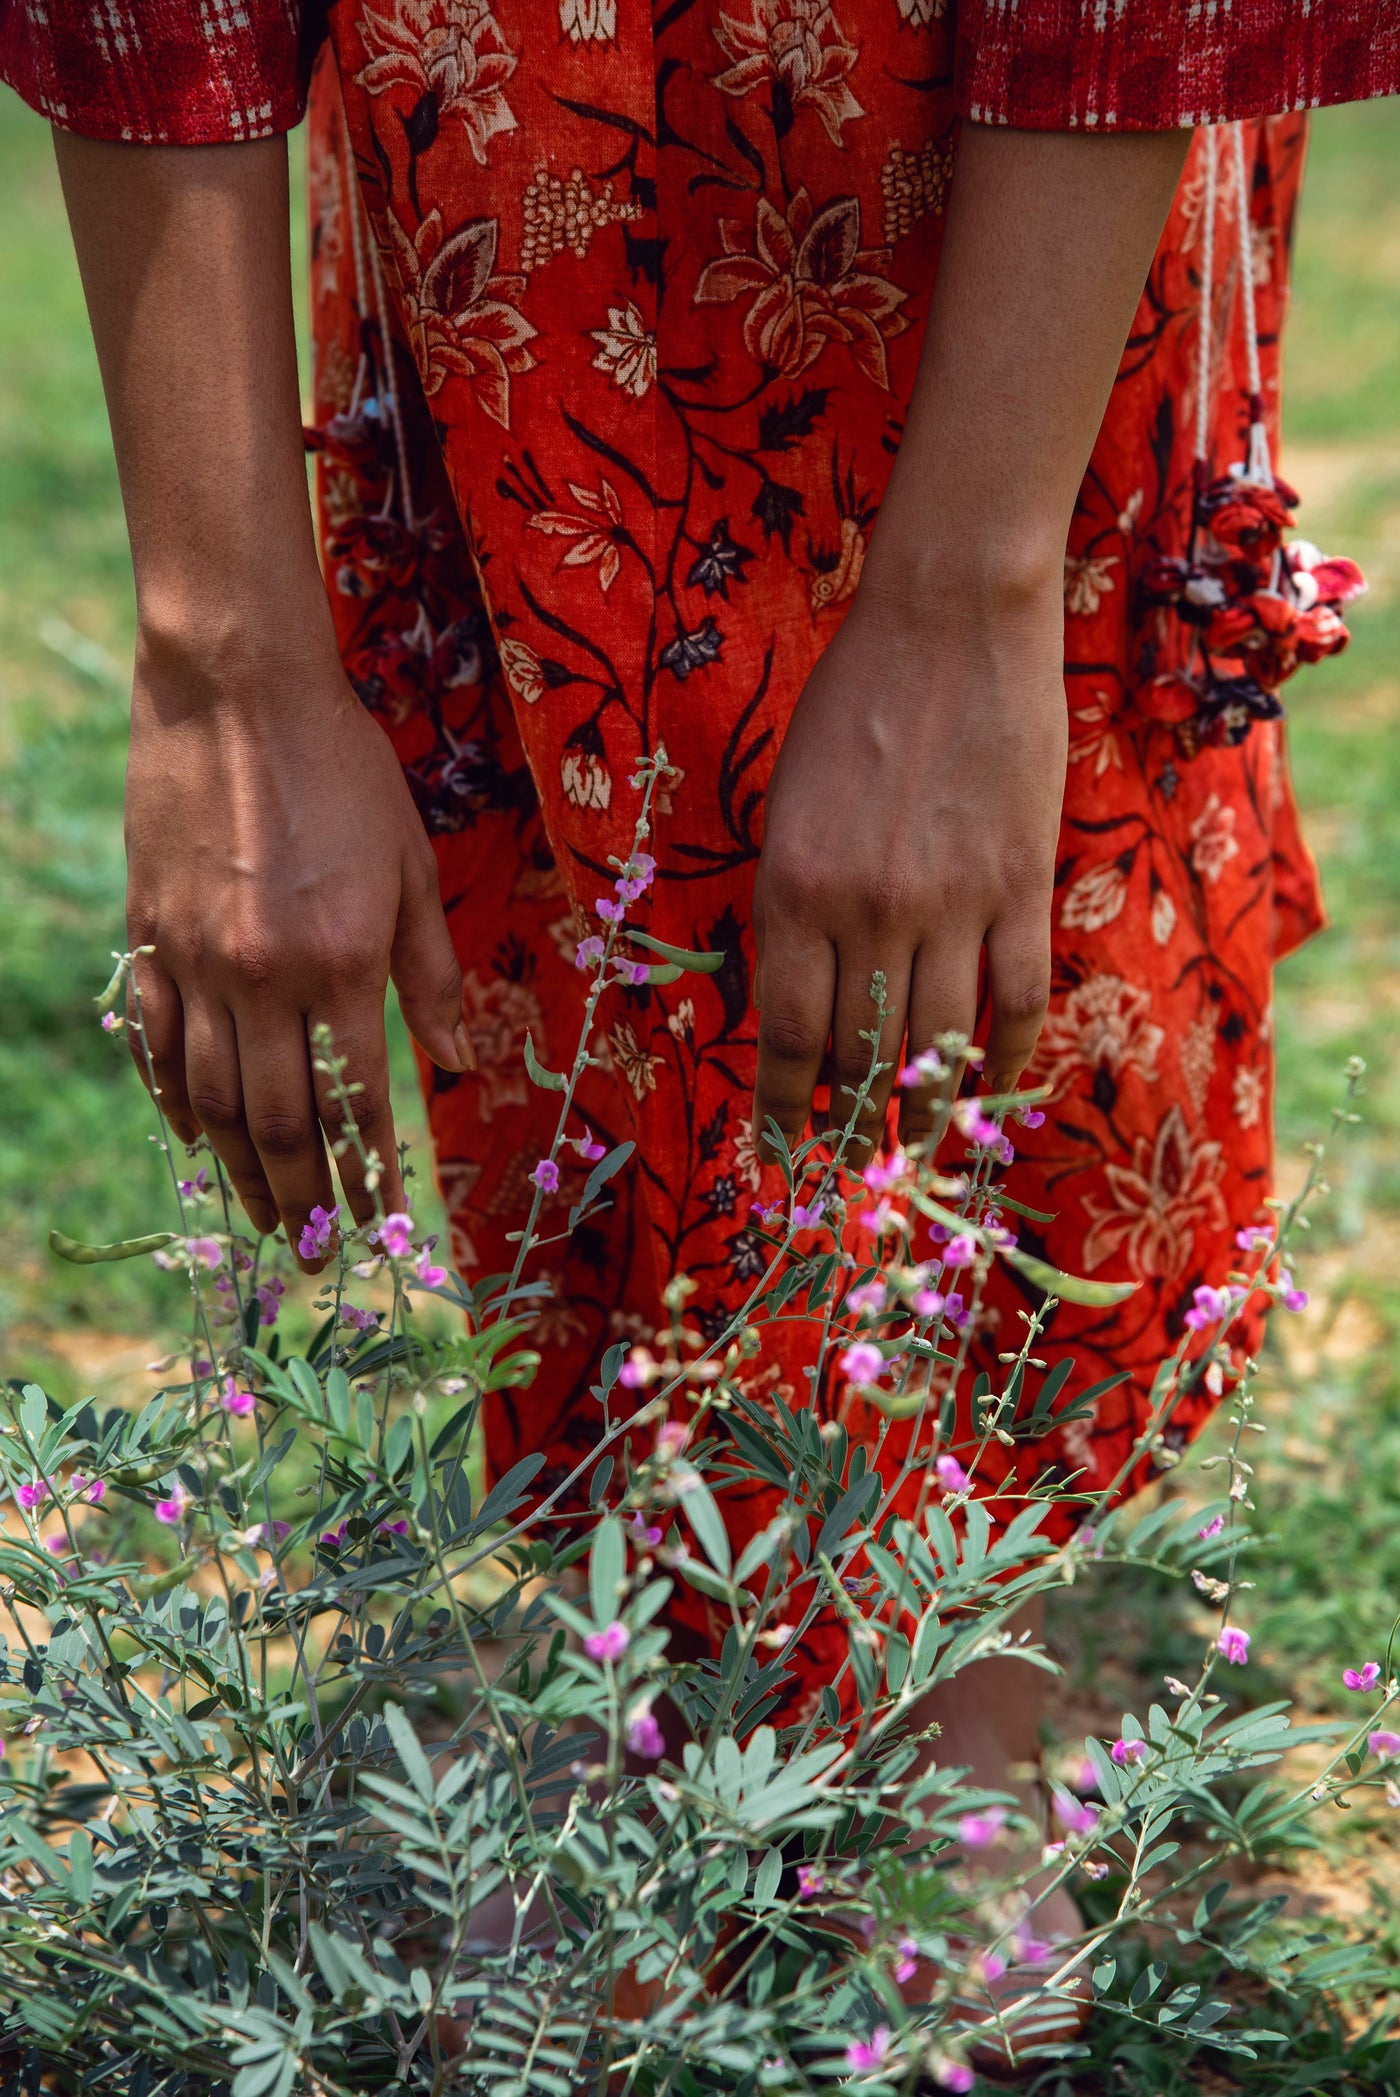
(614, 329)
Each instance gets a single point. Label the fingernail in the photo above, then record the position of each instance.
(466, 1054)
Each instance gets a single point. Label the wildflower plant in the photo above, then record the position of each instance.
(327, 1771)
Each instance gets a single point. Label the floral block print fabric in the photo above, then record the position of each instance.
(191, 72)
(612, 349)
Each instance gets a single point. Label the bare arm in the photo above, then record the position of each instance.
(276, 862)
(915, 807)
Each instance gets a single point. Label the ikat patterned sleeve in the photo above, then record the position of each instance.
(158, 72)
(1156, 65)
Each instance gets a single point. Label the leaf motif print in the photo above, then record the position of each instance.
(588, 21)
(813, 283)
(458, 314)
(450, 50)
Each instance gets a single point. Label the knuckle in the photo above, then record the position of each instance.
(220, 1112)
(789, 1040)
(1023, 1002)
(798, 885)
(886, 896)
(279, 1134)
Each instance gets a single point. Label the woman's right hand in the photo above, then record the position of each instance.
(280, 873)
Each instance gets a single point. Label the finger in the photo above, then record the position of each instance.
(423, 964)
(1018, 983)
(366, 1055)
(857, 1014)
(215, 1094)
(283, 1122)
(155, 1033)
(942, 1000)
(799, 986)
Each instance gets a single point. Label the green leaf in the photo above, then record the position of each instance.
(547, 1080)
(598, 1179)
(698, 1505)
(122, 1249)
(508, 1492)
(679, 957)
(765, 1879)
(606, 1565)
(1070, 1288)
(416, 1765)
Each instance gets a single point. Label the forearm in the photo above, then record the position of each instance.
(1049, 240)
(184, 253)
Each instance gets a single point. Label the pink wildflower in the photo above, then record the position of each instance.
(546, 1176)
(950, 1474)
(1383, 1741)
(636, 877)
(198, 1185)
(1364, 1677)
(1076, 1816)
(926, 1303)
(1031, 1117)
(269, 1295)
(205, 1252)
(589, 952)
(110, 1024)
(865, 1296)
(979, 1128)
(315, 1240)
(1233, 1645)
(399, 1528)
(956, 2075)
(644, 1736)
(954, 1310)
(334, 1538)
(811, 1881)
(871, 2053)
(883, 1173)
(608, 1644)
(93, 1490)
(395, 1235)
(1254, 1238)
(671, 1438)
(980, 1830)
(1212, 1528)
(924, 1070)
(1291, 1298)
(609, 911)
(862, 1362)
(1124, 1751)
(640, 1367)
(430, 1276)
(645, 1535)
(907, 1963)
(362, 1321)
(1209, 1307)
(960, 1251)
(807, 1215)
(587, 1148)
(633, 975)
(33, 1494)
(171, 1511)
(232, 1400)
(56, 1542)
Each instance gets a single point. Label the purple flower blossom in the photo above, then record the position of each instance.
(33, 1494)
(638, 1369)
(862, 1362)
(1254, 1238)
(546, 1176)
(362, 1321)
(907, 1962)
(608, 1644)
(1383, 1742)
(924, 1070)
(1076, 1816)
(269, 1295)
(883, 1173)
(609, 911)
(171, 1511)
(1364, 1677)
(956, 2075)
(644, 1736)
(198, 1185)
(865, 1296)
(589, 952)
(645, 1535)
(399, 1528)
(811, 1881)
(587, 1148)
(1212, 1528)
(868, 2054)
(1124, 1751)
(430, 1276)
(1031, 1117)
(110, 1024)
(1291, 1298)
(1233, 1645)
(954, 1309)
(93, 1490)
(950, 1474)
(232, 1400)
(395, 1235)
(633, 975)
(334, 1538)
(636, 877)
(205, 1252)
(1210, 1307)
(960, 1251)
(315, 1240)
(980, 1830)
(259, 1533)
(806, 1216)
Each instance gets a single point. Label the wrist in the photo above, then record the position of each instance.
(237, 651)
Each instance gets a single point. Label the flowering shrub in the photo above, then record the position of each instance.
(329, 1772)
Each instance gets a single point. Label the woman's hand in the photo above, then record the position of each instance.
(912, 818)
(279, 870)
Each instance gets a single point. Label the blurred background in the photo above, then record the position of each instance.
(75, 1125)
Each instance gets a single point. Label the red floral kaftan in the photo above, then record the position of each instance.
(614, 329)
